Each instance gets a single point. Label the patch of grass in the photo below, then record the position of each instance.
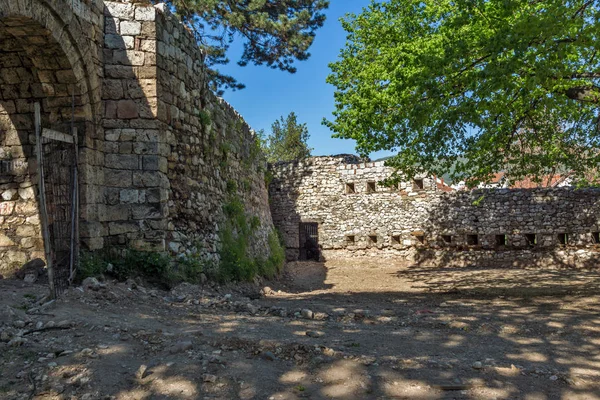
(274, 263)
(300, 388)
(236, 234)
(205, 118)
(30, 296)
(189, 267)
(92, 264)
(154, 267)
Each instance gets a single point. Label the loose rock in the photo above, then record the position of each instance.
(181, 346)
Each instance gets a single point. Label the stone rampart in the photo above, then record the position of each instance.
(423, 222)
(160, 154)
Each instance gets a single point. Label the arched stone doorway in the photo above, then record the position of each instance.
(39, 62)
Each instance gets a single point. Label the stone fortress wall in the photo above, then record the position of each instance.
(160, 155)
(423, 222)
(159, 152)
(183, 145)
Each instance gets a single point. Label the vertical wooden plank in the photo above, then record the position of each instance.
(42, 196)
(74, 210)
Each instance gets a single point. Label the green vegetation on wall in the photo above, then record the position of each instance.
(236, 234)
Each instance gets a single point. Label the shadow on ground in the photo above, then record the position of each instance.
(467, 333)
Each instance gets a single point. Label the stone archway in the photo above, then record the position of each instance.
(39, 62)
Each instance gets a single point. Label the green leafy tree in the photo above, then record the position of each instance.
(472, 87)
(287, 140)
(275, 33)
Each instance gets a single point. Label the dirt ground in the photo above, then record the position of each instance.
(344, 329)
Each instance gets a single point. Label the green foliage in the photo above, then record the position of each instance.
(231, 187)
(155, 268)
(204, 117)
(246, 185)
(189, 267)
(268, 177)
(477, 202)
(236, 233)
(274, 263)
(92, 264)
(472, 87)
(287, 141)
(274, 32)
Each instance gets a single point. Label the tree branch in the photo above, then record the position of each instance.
(588, 94)
(582, 8)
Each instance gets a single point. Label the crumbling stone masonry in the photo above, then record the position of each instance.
(423, 223)
(158, 149)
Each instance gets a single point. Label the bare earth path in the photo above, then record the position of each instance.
(378, 331)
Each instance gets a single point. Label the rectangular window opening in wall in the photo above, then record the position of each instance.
(501, 240)
(472, 240)
(418, 184)
(350, 240)
(596, 237)
(447, 239)
(395, 239)
(372, 239)
(563, 238)
(420, 239)
(371, 187)
(350, 188)
(531, 239)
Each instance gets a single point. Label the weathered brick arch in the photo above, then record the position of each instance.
(77, 35)
(47, 55)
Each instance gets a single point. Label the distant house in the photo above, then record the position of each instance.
(500, 181)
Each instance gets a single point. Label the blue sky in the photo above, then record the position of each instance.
(270, 94)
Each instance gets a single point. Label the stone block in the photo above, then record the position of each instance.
(148, 179)
(120, 212)
(129, 57)
(145, 13)
(115, 177)
(150, 163)
(16, 258)
(156, 195)
(111, 25)
(7, 207)
(147, 211)
(119, 10)
(112, 135)
(26, 230)
(119, 72)
(9, 194)
(31, 242)
(112, 89)
(119, 42)
(5, 241)
(130, 28)
(129, 196)
(145, 148)
(127, 109)
(122, 161)
(110, 110)
(120, 228)
(148, 45)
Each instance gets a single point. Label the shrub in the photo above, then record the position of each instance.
(274, 263)
(156, 268)
(236, 233)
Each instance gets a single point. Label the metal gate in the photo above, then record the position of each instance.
(309, 241)
(58, 202)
